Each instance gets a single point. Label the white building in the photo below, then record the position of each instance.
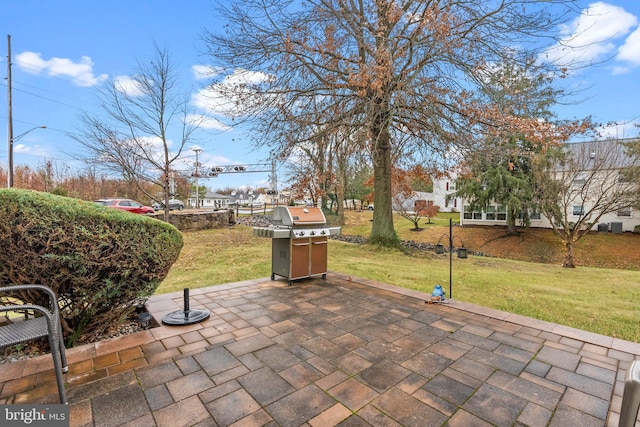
(585, 185)
(210, 200)
(443, 195)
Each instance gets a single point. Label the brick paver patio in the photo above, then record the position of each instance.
(342, 351)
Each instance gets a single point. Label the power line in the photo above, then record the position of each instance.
(44, 90)
(45, 98)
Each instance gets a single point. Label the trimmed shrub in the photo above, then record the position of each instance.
(98, 260)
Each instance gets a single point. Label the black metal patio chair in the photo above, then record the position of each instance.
(39, 322)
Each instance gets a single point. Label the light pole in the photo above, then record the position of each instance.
(13, 139)
(197, 174)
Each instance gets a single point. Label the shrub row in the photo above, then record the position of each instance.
(98, 260)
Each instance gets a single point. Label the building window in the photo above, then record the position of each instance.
(626, 212)
(491, 213)
(452, 186)
(467, 212)
(477, 215)
(578, 210)
(535, 214)
(502, 213)
(579, 181)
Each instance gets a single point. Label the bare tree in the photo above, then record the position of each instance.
(633, 173)
(401, 70)
(405, 200)
(583, 183)
(132, 138)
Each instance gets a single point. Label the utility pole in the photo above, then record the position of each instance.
(197, 174)
(10, 118)
(274, 182)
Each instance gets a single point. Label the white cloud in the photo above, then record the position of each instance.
(630, 50)
(81, 72)
(591, 36)
(153, 142)
(206, 122)
(22, 149)
(212, 100)
(215, 160)
(240, 76)
(32, 150)
(620, 129)
(202, 72)
(206, 160)
(619, 70)
(230, 96)
(128, 86)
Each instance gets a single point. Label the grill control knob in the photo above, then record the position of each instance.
(323, 232)
(301, 233)
(313, 233)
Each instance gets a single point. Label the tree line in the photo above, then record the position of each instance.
(346, 91)
(88, 184)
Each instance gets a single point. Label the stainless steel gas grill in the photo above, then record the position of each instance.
(298, 242)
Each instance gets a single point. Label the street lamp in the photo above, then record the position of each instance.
(13, 139)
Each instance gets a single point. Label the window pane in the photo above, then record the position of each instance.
(467, 212)
(491, 213)
(625, 211)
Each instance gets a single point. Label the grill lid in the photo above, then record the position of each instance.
(298, 216)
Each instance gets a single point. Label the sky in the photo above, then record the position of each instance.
(63, 50)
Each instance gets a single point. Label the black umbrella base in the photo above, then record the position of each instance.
(188, 317)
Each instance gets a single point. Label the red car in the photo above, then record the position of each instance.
(126, 205)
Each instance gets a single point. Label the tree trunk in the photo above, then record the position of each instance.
(568, 258)
(511, 222)
(382, 230)
(340, 201)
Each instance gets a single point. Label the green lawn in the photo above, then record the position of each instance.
(600, 300)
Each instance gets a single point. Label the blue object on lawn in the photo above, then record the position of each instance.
(438, 292)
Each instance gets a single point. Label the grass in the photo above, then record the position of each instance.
(599, 300)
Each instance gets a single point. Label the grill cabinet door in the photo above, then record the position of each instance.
(318, 256)
(300, 253)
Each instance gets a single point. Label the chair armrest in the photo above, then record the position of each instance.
(53, 300)
(39, 308)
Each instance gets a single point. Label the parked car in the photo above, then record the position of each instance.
(173, 204)
(126, 205)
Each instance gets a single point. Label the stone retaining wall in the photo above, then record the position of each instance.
(190, 221)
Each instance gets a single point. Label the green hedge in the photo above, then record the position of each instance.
(98, 260)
